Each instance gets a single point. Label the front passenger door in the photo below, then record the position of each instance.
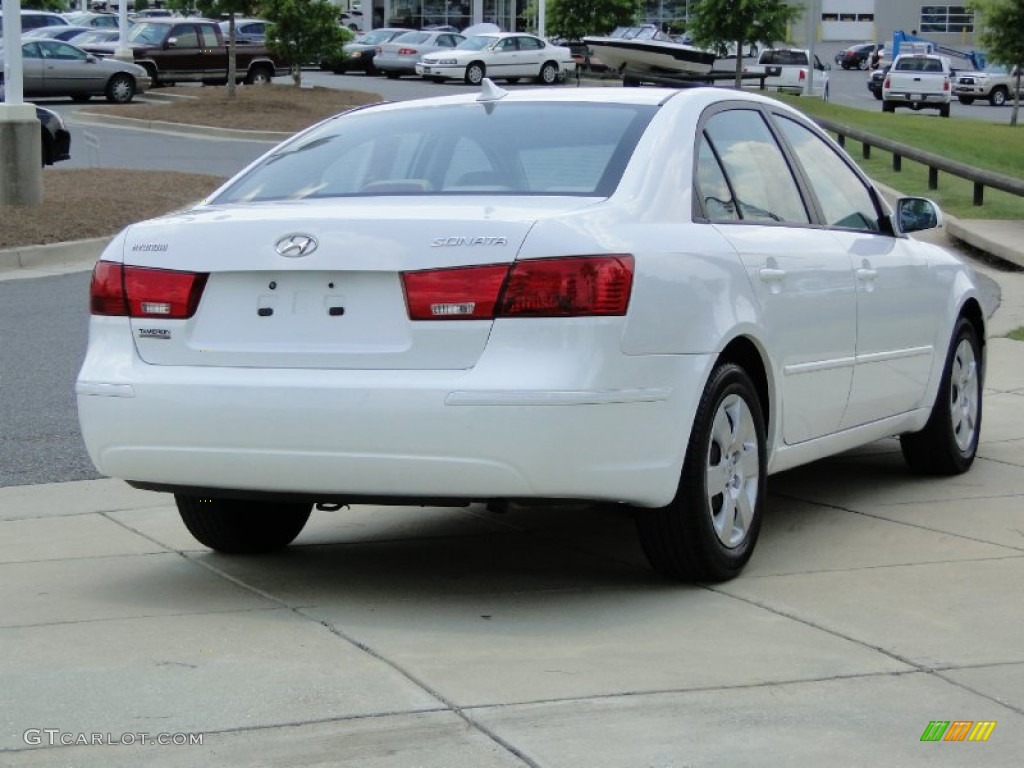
(899, 302)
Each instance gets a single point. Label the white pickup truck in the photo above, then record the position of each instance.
(789, 70)
(918, 81)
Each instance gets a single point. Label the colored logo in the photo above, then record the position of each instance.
(958, 730)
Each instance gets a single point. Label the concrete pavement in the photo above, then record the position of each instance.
(876, 603)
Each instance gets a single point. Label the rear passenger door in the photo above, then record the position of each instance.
(801, 275)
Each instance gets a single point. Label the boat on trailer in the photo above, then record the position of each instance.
(646, 48)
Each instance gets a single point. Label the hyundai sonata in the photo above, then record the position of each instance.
(652, 298)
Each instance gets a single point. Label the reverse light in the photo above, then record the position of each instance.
(577, 286)
(120, 290)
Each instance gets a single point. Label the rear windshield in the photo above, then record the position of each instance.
(575, 149)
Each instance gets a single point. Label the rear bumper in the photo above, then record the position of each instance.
(613, 431)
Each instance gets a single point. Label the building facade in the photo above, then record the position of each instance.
(827, 20)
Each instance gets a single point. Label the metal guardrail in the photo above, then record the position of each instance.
(935, 163)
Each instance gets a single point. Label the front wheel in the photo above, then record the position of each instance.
(548, 74)
(242, 527)
(120, 88)
(475, 73)
(949, 441)
(708, 531)
(862, 65)
(998, 97)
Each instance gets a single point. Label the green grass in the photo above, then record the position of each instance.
(1017, 334)
(995, 147)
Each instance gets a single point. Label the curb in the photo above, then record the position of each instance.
(999, 246)
(56, 257)
(186, 129)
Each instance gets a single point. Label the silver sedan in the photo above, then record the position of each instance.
(55, 68)
(399, 56)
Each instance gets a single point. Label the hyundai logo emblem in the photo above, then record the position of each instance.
(294, 246)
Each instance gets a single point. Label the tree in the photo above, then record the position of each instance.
(214, 9)
(44, 5)
(717, 24)
(572, 19)
(303, 31)
(1001, 25)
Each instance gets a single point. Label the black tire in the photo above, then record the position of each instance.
(944, 110)
(548, 73)
(862, 65)
(120, 88)
(511, 80)
(965, 99)
(949, 441)
(998, 96)
(699, 536)
(391, 75)
(888, 106)
(80, 98)
(242, 527)
(475, 73)
(259, 75)
(877, 95)
(46, 147)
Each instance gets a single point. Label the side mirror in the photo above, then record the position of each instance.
(914, 214)
(172, 42)
(90, 59)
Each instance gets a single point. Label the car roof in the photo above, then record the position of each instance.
(699, 97)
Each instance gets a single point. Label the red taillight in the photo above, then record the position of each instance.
(407, 51)
(886, 83)
(570, 287)
(463, 293)
(106, 292)
(945, 84)
(143, 292)
(803, 75)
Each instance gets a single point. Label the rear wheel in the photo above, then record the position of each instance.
(888, 106)
(944, 110)
(965, 99)
(548, 73)
(80, 98)
(242, 527)
(998, 96)
(120, 88)
(949, 441)
(260, 76)
(475, 73)
(391, 75)
(708, 532)
(862, 64)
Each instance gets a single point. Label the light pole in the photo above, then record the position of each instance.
(21, 162)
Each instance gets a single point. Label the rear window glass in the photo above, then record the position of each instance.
(577, 149)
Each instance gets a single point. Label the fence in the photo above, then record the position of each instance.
(935, 163)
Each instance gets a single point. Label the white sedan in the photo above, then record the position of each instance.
(509, 56)
(648, 297)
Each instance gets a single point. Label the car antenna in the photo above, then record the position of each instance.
(490, 92)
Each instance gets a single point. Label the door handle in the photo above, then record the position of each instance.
(769, 275)
(866, 274)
